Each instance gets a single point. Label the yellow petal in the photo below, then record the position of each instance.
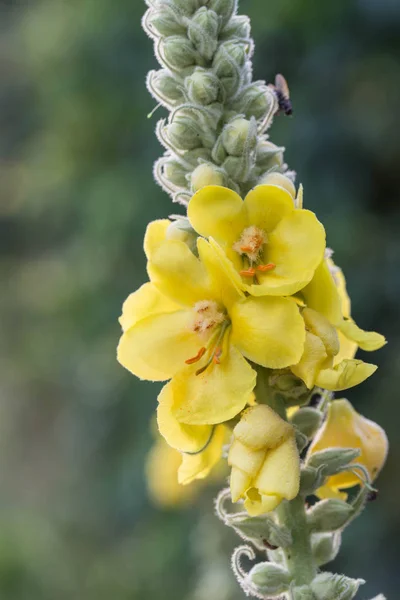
(347, 349)
(321, 294)
(178, 274)
(345, 375)
(200, 465)
(366, 340)
(257, 504)
(185, 438)
(296, 246)
(320, 326)
(267, 205)
(312, 361)
(239, 483)
(260, 427)
(216, 395)
(155, 235)
(269, 331)
(247, 460)
(280, 473)
(224, 288)
(218, 212)
(340, 283)
(146, 301)
(156, 348)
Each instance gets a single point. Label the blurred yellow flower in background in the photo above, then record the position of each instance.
(269, 246)
(264, 459)
(345, 428)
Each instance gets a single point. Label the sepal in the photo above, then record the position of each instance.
(327, 586)
(329, 515)
(307, 420)
(267, 580)
(203, 32)
(224, 8)
(325, 546)
(202, 86)
(311, 479)
(333, 460)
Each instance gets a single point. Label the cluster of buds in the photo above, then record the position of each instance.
(216, 130)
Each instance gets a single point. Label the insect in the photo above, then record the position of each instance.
(281, 90)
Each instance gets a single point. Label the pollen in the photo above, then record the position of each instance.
(251, 242)
(207, 315)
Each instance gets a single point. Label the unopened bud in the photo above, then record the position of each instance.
(333, 460)
(237, 27)
(182, 231)
(203, 32)
(329, 515)
(325, 547)
(310, 480)
(328, 585)
(236, 168)
(186, 7)
(307, 420)
(304, 592)
(224, 8)
(257, 101)
(198, 154)
(166, 21)
(268, 579)
(229, 57)
(206, 174)
(179, 52)
(262, 532)
(202, 86)
(269, 155)
(165, 87)
(280, 180)
(176, 173)
(238, 135)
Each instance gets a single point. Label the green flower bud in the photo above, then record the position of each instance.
(166, 21)
(327, 586)
(239, 135)
(203, 32)
(301, 440)
(198, 154)
(206, 174)
(281, 180)
(165, 87)
(179, 52)
(176, 173)
(238, 27)
(310, 480)
(186, 7)
(260, 531)
(303, 592)
(329, 515)
(202, 86)
(268, 579)
(237, 169)
(269, 155)
(333, 460)
(325, 546)
(256, 101)
(229, 58)
(182, 231)
(184, 133)
(224, 8)
(307, 420)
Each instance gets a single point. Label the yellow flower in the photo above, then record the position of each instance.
(345, 428)
(264, 459)
(193, 325)
(325, 361)
(268, 246)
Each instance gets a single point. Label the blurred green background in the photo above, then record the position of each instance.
(77, 193)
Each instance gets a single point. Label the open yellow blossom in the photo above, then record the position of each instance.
(193, 325)
(324, 361)
(269, 246)
(345, 428)
(264, 459)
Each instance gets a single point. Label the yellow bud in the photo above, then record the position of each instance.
(345, 428)
(280, 180)
(264, 459)
(206, 174)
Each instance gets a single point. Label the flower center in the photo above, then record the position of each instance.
(250, 246)
(210, 322)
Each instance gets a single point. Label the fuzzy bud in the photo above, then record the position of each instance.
(327, 586)
(333, 460)
(164, 87)
(307, 420)
(203, 32)
(228, 63)
(179, 52)
(182, 231)
(224, 8)
(166, 21)
(260, 531)
(310, 480)
(184, 133)
(194, 157)
(185, 7)
(280, 180)
(238, 135)
(202, 86)
(325, 547)
(304, 592)
(267, 579)
(256, 101)
(176, 173)
(269, 155)
(329, 515)
(206, 174)
(237, 27)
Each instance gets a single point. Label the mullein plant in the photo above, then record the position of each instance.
(247, 318)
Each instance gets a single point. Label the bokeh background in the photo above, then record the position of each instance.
(77, 150)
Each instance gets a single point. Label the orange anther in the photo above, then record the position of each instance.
(217, 356)
(246, 248)
(265, 268)
(196, 358)
(248, 272)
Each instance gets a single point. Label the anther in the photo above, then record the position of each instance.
(248, 272)
(265, 268)
(196, 358)
(246, 248)
(217, 356)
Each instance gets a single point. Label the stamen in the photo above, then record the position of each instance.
(246, 248)
(196, 358)
(248, 272)
(265, 268)
(217, 356)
